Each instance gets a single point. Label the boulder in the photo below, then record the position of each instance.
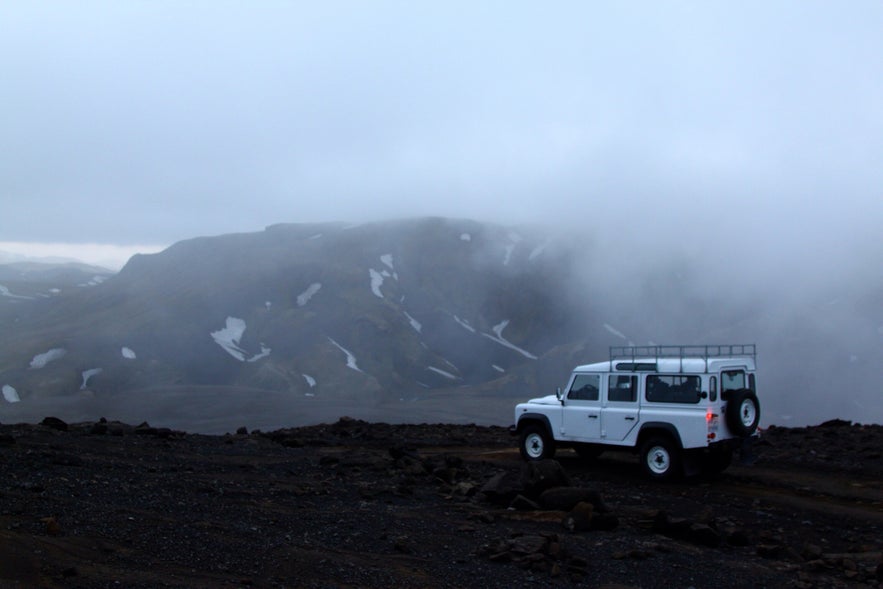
(566, 498)
(522, 503)
(54, 423)
(503, 487)
(541, 475)
(580, 518)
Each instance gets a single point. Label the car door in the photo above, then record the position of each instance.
(619, 413)
(582, 409)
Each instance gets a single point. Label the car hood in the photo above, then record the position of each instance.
(547, 400)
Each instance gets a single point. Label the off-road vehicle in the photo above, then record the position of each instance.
(680, 408)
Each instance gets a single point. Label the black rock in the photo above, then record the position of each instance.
(55, 423)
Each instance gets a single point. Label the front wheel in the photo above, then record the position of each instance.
(660, 458)
(536, 443)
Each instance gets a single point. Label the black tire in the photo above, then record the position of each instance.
(536, 443)
(661, 458)
(588, 451)
(743, 412)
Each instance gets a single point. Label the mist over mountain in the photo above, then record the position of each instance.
(415, 320)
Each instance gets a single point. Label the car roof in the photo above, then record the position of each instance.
(670, 365)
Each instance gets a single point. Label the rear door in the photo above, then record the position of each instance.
(620, 411)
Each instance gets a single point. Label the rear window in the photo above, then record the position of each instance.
(673, 388)
(732, 380)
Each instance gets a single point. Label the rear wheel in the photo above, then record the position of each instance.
(660, 458)
(536, 443)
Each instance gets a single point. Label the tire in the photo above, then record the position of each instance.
(536, 443)
(661, 458)
(588, 451)
(743, 412)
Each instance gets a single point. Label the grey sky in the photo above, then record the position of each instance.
(149, 122)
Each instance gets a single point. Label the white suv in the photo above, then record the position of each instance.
(680, 407)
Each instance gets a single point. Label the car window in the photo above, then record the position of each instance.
(585, 387)
(673, 388)
(732, 380)
(622, 388)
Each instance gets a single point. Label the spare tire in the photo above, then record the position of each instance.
(743, 412)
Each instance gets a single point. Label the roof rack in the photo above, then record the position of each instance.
(703, 352)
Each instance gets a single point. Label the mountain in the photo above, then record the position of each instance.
(300, 318)
(412, 320)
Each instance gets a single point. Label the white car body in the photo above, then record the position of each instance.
(673, 392)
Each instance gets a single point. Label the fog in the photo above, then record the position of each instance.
(144, 123)
(737, 144)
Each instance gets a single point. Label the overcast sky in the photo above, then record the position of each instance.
(134, 122)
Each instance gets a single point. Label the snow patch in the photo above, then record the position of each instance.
(537, 251)
(304, 297)
(509, 249)
(87, 374)
(10, 394)
(128, 354)
(498, 330)
(515, 239)
(41, 360)
(497, 368)
(310, 380)
(228, 337)
(387, 260)
(316, 236)
(414, 323)
(96, 280)
(376, 282)
(614, 331)
(265, 351)
(443, 373)
(465, 237)
(350, 359)
(5, 292)
(464, 323)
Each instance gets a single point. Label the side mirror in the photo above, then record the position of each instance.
(558, 394)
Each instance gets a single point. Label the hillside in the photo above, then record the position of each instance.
(297, 318)
(414, 320)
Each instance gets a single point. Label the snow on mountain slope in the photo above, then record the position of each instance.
(10, 394)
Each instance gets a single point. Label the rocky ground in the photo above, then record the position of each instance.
(355, 504)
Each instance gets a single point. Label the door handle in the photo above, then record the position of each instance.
(593, 417)
(629, 418)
